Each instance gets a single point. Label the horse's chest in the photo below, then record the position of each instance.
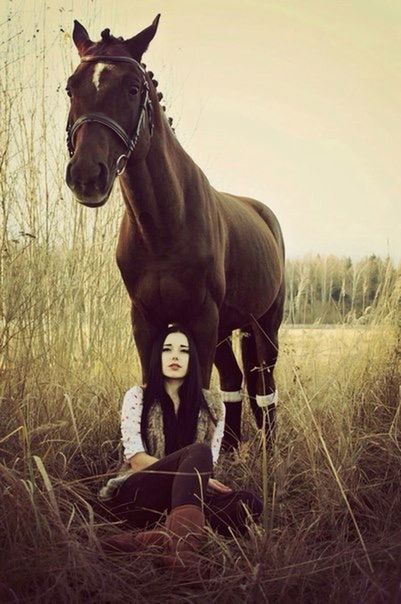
(167, 294)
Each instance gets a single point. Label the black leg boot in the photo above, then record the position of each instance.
(232, 429)
(268, 403)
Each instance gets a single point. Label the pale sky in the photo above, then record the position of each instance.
(294, 103)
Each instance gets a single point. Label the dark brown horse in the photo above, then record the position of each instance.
(187, 253)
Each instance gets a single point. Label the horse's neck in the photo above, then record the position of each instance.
(158, 191)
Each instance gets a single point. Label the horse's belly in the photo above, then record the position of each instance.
(245, 304)
(252, 286)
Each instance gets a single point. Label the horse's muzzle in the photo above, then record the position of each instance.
(90, 182)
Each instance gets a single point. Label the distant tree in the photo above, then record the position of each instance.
(329, 289)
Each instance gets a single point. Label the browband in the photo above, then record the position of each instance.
(110, 59)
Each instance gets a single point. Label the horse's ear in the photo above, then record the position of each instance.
(81, 38)
(139, 43)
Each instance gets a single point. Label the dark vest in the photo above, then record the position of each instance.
(206, 426)
(207, 421)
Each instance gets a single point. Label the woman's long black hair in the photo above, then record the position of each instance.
(179, 430)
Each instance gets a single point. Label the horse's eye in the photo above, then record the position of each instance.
(133, 90)
(68, 91)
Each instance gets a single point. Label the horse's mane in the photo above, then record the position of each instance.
(159, 95)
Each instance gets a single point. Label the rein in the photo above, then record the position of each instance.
(130, 142)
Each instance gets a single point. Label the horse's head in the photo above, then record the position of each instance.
(111, 114)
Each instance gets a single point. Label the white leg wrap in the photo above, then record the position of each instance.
(232, 397)
(267, 399)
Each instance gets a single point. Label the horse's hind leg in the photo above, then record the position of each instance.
(230, 384)
(259, 351)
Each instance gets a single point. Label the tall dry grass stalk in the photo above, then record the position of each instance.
(330, 485)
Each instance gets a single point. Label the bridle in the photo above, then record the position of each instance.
(88, 118)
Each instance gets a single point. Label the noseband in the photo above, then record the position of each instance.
(130, 142)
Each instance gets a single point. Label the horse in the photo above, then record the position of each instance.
(187, 253)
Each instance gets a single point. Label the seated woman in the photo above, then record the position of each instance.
(171, 434)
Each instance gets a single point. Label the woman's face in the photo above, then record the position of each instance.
(175, 356)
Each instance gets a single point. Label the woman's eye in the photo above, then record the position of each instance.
(166, 349)
(133, 90)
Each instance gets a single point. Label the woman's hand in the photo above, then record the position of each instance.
(141, 461)
(216, 485)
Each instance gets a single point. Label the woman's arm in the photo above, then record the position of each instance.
(131, 413)
(218, 437)
(213, 484)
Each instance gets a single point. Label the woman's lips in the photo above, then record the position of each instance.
(175, 366)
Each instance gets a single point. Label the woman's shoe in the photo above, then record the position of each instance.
(179, 542)
(185, 525)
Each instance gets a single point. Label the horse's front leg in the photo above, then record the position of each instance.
(145, 334)
(204, 329)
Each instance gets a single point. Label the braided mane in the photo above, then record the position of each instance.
(159, 95)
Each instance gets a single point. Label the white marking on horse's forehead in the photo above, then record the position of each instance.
(97, 72)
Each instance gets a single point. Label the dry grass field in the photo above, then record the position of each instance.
(330, 531)
(331, 488)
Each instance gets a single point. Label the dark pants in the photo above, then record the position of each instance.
(179, 479)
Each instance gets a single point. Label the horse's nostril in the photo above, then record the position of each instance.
(103, 175)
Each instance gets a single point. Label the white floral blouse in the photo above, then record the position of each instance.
(131, 413)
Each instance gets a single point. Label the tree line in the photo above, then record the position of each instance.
(329, 289)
